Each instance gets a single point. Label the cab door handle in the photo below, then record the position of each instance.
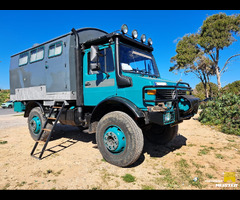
(87, 84)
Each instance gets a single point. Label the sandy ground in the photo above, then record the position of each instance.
(198, 158)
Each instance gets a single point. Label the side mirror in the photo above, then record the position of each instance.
(94, 65)
(94, 54)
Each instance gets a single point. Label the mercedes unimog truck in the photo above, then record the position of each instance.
(106, 82)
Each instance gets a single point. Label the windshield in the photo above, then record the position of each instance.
(137, 61)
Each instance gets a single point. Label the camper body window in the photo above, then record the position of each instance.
(23, 59)
(36, 54)
(55, 49)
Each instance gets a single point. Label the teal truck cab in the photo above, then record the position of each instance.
(106, 82)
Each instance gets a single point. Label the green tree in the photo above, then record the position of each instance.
(199, 53)
(191, 58)
(233, 87)
(217, 32)
(199, 90)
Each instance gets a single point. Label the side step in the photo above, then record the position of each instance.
(49, 119)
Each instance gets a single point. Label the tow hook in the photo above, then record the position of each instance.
(160, 107)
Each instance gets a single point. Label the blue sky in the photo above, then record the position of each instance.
(20, 29)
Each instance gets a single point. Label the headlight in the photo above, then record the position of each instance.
(143, 38)
(167, 117)
(124, 28)
(134, 34)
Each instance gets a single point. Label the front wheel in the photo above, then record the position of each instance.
(119, 139)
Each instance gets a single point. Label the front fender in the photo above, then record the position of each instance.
(114, 104)
(117, 102)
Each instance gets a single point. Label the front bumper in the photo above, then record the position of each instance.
(162, 118)
(160, 114)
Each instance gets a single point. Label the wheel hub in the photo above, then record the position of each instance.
(35, 124)
(114, 139)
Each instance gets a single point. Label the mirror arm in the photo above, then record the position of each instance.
(107, 74)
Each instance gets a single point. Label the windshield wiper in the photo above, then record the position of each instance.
(142, 72)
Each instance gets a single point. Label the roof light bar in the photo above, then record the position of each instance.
(143, 38)
(124, 29)
(134, 34)
(150, 42)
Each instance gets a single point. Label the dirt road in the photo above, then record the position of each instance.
(198, 158)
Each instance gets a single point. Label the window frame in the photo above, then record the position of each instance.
(20, 58)
(90, 72)
(54, 44)
(36, 54)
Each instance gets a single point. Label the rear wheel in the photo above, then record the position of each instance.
(36, 121)
(119, 139)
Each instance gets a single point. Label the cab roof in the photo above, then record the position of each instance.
(123, 38)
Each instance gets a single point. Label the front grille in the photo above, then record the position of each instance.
(164, 94)
(168, 93)
(181, 92)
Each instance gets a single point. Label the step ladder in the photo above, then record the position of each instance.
(58, 107)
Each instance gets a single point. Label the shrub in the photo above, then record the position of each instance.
(223, 111)
(4, 96)
(128, 178)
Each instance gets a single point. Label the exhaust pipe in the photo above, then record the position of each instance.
(79, 75)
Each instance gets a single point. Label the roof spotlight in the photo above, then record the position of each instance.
(134, 34)
(143, 38)
(150, 42)
(124, 28)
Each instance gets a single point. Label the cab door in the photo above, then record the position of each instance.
(96, 85)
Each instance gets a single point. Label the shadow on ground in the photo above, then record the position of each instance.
(158, 151)
(75, 134)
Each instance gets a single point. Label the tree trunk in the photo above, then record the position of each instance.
(217, 70)
(205, 83)
(210, 87)
(206, 90)
(218, 78)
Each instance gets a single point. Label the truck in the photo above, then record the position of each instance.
(106, 82)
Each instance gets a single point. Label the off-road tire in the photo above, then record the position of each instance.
(37, 112)
(134, 138)
(160, 134)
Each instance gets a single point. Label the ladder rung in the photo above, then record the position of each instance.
(40, 141)
(52, 118)
(46, 129)
(56, 107)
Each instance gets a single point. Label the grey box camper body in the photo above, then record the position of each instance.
(47, 75)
